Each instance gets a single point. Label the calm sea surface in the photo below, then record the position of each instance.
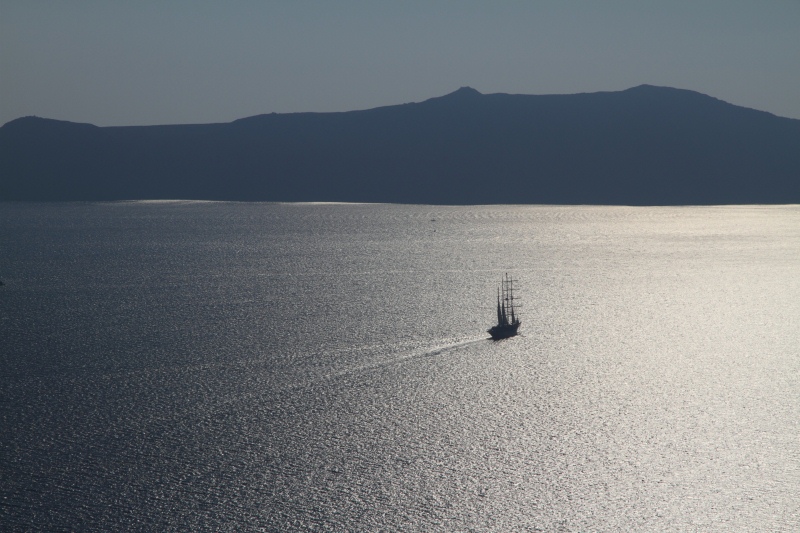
(266, 367)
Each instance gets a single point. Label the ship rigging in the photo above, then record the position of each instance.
(508, 320)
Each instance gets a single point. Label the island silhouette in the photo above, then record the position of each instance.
(642, 146)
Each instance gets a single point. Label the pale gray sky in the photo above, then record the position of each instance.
(111, 62)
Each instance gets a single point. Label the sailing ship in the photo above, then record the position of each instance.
(508, 321)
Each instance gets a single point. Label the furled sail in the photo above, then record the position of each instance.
(507, 320)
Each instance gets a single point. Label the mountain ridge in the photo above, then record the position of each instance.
(645, 145)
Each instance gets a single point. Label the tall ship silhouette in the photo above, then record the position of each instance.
(508, 321)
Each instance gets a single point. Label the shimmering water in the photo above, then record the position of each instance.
(261, 367)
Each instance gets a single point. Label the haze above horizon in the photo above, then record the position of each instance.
(201, 62)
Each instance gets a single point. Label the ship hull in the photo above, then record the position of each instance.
(504, 332)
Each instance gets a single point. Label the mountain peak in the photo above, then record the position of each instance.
(33, 122)
(462, 94)
(465, 92)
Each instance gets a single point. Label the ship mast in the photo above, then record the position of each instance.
(499, 311)
(504, 321)
(509, 307)
(511, 298)
(507, 320)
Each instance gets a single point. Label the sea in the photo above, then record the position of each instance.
(213, 366)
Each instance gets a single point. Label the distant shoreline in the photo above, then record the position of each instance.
(644, 146)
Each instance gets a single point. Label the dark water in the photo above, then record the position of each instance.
(258, 367)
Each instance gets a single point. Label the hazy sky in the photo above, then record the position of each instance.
(115, 62)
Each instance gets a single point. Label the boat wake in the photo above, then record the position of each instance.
(399, 358)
